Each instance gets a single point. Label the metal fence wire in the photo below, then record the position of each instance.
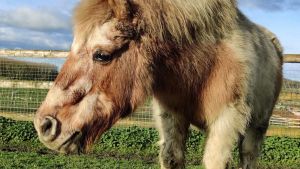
(25, 81)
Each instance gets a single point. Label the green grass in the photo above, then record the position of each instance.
(19, 159)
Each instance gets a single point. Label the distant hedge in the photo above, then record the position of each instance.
(20, 70)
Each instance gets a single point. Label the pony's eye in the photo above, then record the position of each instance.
(99, 56)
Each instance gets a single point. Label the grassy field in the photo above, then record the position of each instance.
(283, 131)
(18, 159)
(125, 147)
(285, 95)
(34, 155)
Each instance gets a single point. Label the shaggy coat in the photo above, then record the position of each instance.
(203, 61)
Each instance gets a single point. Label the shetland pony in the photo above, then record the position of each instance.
(203, 62)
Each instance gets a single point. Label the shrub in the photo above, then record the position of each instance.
(20, 70)
(11, 130)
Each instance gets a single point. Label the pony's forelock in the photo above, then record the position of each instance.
(87, 14)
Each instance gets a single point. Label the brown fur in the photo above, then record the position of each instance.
(222, 86)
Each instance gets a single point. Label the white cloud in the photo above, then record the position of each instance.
(42, 18)
(41, 40)
(36, 27)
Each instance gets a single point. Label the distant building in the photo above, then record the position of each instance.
(295, 111)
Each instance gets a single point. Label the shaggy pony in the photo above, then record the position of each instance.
(203, 61)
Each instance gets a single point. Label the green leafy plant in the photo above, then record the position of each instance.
(142, 143)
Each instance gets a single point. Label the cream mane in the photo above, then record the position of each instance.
(202, 21)
(192, 21)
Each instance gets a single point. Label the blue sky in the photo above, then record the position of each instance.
(41, 24)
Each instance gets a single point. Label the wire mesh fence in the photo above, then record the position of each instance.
(25, 81)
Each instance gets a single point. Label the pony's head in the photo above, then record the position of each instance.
(104, 78)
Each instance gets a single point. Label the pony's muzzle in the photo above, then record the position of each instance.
(48, 129)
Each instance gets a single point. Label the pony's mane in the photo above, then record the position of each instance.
(200, 21)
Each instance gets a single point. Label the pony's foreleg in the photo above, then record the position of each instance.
(223, 133)
(173, 132)
(250, 146)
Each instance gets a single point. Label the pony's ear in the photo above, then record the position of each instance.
(121, 8)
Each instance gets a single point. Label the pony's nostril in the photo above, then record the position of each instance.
(48, 128)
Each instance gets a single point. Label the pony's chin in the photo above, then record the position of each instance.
(70, 144)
